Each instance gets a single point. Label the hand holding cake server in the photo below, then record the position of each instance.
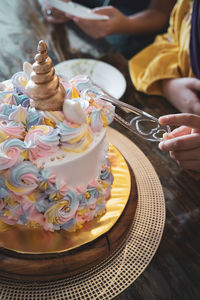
(135, 120)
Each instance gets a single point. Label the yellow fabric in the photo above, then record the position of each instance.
(168, 56)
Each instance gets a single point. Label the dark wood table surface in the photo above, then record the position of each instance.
(174, 271)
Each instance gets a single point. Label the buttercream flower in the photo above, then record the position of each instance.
(23, 178)
(6, 110)
(47, 179)
(72, 92)
(106, 176)
(43, 203)
(22, 100)
(9, 100)
(64, 210)
(35, 216)
(100, 208)
(10, 153)
(3, 195)
(57, 193)
(19, 81)
(96, 121)
(74, 139)
(11, 213)
(33, 118)
(89, 198)
(107, 109)
(11, 129)
(69, 225)
(18, 115)
(87, 216)
(45, 139)
(81, 83)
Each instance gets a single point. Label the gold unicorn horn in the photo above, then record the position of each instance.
(44, 88)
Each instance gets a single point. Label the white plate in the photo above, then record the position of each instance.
(76, 10)
(104, 75)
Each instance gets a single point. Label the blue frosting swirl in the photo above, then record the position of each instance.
(33, 118)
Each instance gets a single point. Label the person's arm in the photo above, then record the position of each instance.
(183, 93)
(150, 20)
(183, 143)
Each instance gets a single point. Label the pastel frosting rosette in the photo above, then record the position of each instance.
(76, 85)
(6, 110)
(106, 175)
(47, 179)
(58, 190)
(97, 120)
(18, 114)
(74, 139)
(33, 118)
(12, 151)
(89, 198)
(32, 217)
(51, 191)
(81, 82)
(62, 211)
(11, 212)
(19, 81)
(86, 209)
(23, 178)
(45, 140)
(11, 129)
(16, 99)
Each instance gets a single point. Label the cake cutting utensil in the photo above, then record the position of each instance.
(76, 10)
(135, 120)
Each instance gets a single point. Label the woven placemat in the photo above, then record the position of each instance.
(107, 280)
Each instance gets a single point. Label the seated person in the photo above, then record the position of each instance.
(170, 67)
(183, 143)
(132, 25)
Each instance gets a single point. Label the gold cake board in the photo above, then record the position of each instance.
(109, 278)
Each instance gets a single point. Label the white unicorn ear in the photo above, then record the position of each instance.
(74, 112)
(27, 68)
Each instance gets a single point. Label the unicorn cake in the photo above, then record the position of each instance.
(54, 170)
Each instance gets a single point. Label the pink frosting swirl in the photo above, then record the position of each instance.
(10, 153)
(45, 140)
(12, 129)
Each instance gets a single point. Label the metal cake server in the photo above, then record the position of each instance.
(135, 120)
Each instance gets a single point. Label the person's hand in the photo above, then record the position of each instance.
(183, 143)
(101, 28)
(54, 15)
(183, 94)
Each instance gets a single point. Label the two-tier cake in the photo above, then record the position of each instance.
(54, 170)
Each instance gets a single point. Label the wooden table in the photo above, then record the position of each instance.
(174, 271)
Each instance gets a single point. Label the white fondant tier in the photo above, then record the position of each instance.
(82, 168)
